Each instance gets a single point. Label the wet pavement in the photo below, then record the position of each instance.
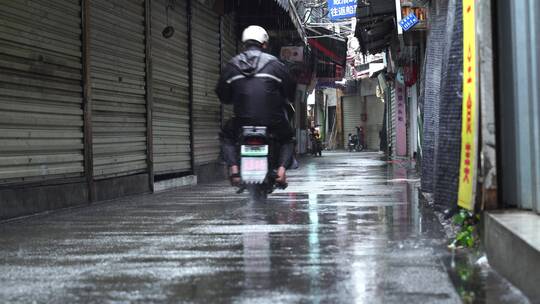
(349, 229)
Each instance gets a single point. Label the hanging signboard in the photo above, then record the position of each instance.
(341, 9)
(469, 129)
(292, 53)
(408, 22)
(401, 119)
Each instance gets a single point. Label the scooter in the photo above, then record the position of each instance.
(316, 145)
(354, 144)
(259, 153)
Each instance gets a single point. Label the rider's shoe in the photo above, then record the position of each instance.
(234, 176)
(281, 178)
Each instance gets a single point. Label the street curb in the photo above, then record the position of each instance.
(184, 181)
(512, 250)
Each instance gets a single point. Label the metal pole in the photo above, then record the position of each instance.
(149, 94)
(87, 102)
(221, 46)
(190, 73)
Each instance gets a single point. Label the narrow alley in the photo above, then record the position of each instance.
(329, 236)
(407, 131)
(348, 229)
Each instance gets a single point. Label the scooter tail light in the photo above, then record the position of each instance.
(254, 141)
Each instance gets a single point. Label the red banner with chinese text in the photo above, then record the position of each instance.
(401, 120)
(469, 127)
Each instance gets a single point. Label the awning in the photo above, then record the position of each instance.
(289, 7)
(331, 70)
(324, 52)
(375, 26)
(273, 15)
(326, 48)
(376, 68)
(330, 54)
(375, 9)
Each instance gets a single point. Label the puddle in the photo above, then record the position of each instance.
(239, 229)
(479, 283)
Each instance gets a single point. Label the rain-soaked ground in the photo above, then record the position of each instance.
(349, 229)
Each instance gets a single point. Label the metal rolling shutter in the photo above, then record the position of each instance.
(206, 62)
(375, 113)
(228, 38)
(351, 116)
(118, 87)
(41, 116)
(393, 118)
(170, 87)
(407, 123)
(372, 137)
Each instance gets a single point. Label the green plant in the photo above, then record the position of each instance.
(466, 236)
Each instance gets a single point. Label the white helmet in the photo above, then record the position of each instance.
(255, 32)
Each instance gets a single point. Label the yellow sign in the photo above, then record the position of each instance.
(469, 126)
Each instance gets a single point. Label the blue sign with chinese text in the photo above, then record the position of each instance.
(408, 22)
(341, 9)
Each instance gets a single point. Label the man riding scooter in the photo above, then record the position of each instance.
(316, 144)
(356, 141)
(259, 87)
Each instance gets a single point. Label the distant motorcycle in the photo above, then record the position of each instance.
(316, 144)
(259, 154)
(355, 144)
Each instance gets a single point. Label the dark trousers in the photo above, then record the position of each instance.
(231, 133)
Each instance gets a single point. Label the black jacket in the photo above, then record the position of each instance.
(258, 85)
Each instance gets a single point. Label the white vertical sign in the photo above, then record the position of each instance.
(398, 17)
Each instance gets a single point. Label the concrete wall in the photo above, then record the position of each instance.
(330, 96)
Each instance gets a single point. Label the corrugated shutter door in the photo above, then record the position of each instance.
(375, 113)
(118, 87)
(351, 116)
(407, 120)
(393, 119)
(206, 106)
(170, 88)
(229, 51)
(41, 116)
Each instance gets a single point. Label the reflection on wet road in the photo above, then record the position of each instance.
(347, 230)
